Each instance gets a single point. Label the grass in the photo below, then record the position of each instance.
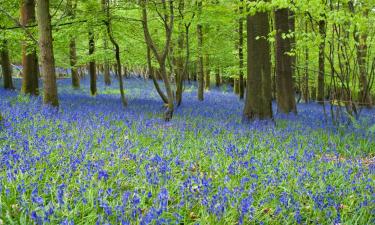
(94, 161)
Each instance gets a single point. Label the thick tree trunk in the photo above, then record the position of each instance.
(29, 58)
(6, 66)
(92, 66)
(322, 45)
(200, 55)
(284, 81)
(46, 53)
(240, 53)
(258, 102)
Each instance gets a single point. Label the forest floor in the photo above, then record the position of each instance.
(93, 161)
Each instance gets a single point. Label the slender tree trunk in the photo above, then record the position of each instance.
(72, 49)
(258, 102)
(236, 86)
(161, 57)
(284, 81)
(179, 61)
(46, 53)
(169, 113)
(73, 61)
(29, 57)
(117, 51)
(207, 79)
(200, 55)
(305, 92)
(361, 44)
(6, 66)
(92, 66)
(107, 75)
(292, 39)
(322, 45)
(240, 53)
(187, 59)
(217, 77)
(106, 67)
(154, 80)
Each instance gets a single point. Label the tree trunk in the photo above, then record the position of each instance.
(106, 67)
(73, 61)
(361, 44)
(72, 49)
(46, 53)
(292, 39)
(240, 52)
(217, 77)
(117, 51)
(284, 81)
(322, 45)
(236, 86)
(187, 59)
(207, 79)
(153, 77)
(258, 102)
(29, 58)
(305, 91)
(6, 67)
(92, 66)
(200, 55)
(161, 57)
(179, 61)
(169, 113)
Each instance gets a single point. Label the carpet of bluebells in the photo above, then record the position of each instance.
(95, 162)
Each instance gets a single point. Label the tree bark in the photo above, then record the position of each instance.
(187, 59)
(284, 81)
(50, 96)
(106, 67)
(72, 48)
(217, 77)
(361, 45)
(240, 52)
(322, 45)
(6, 66)
(258, 102)
(161, 57)
(179, 61)
(117, 52)
(92, 66)
(153, 77)
(236, 86)
(29, 57)
(305, 91)
(200, 55)
(207, 80)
